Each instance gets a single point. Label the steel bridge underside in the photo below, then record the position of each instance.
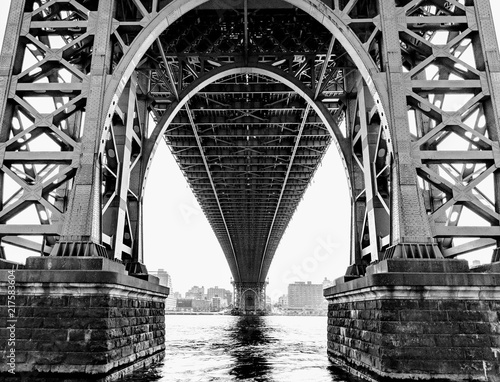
(248, 95)
(247, 144)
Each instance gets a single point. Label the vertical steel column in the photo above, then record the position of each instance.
(366, 147)
(83, 218)
(123, 177)
(137, 174)
(410, 225)
(7, 62)
(125, 152)
(491, 64)
(370, 220)
(358, 205)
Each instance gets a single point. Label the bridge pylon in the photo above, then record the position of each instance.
(249, 298)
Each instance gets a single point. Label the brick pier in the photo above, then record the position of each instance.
(417, 320)
(81, 319)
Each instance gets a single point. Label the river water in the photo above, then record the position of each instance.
(228, 348)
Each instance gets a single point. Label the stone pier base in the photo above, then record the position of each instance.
(78, 319)
(417, 320)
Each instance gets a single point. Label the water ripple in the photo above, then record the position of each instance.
(257, 349)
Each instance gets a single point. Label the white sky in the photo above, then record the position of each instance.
(179, 239)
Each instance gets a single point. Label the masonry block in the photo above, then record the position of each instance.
(79, 319)
(426, 323)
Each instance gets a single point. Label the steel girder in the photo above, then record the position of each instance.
(415, 83)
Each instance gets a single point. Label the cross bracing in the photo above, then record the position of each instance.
(248, 95)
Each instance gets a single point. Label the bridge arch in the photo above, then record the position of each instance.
(315, 8)
(249, 299)
(332, 20)
(266, 70)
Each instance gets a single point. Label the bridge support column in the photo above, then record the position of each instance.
(249, 298)
(418, 319)
(78, 319)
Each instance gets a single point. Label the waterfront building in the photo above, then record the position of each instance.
(225, 295)
(327, 283)
(196, 293)
(166, 280)
(303, 295)
(192, 305)
(228, 295)
(283, 301)
(216, 304)
(177, 295)
(164, 277)
(170, 303)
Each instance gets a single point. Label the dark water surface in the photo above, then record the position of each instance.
(227, 348)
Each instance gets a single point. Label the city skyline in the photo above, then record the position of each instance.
(179, 239)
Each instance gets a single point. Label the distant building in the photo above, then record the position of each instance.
(327, 283)
(283, 301)
(177, 295)
(166, 280)
(196, 293)
(229, 297)
(216, 304)
(192, 305)
(224, 295)
(305, 296)
(268, 303)
(164, 277)
(170, 303)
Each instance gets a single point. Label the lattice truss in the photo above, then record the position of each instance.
(43, 112)
(453, 123)
(452, 130)
(247, 144)
(43, 127)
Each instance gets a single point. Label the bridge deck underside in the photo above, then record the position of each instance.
(258, 171)
(247, 144)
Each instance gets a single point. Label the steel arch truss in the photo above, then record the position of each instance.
(449, 57)
(253, 292)
(417, 124)
(45, 87)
